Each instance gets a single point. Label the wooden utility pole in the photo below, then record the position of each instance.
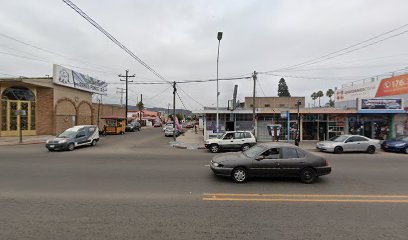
(127, 81)
(253, 102)
(174, 110)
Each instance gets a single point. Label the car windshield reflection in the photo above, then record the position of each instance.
(338, 138)
(254, 151)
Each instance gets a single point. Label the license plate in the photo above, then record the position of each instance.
(51, 146)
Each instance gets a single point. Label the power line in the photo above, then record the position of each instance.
(259, 84)
(188, 95)
(150, 98)
(181, 101)
(195, 81)
(112, 38)
(341, 51)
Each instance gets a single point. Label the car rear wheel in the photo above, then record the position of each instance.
(214, 148)
(338, 149)
(93, 143)
(308, 175)
(245, 147)
(371, 149)
(71, 147)
(239, 175)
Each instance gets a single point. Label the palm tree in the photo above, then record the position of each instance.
(329, 94)
(319, 94)
(314, 97)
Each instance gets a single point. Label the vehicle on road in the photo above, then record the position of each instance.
(114, 125)
(232, 140)
(157, 124)
(74, 137)
(349, 143)
(167, 124)
(399, 144)
(133, 127)
(270, 160)
(169, 130)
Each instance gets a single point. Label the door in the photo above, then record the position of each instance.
(349, 145)
(11, 121)
(267, 163)
(291, 161)
(227, 141)
(361, 144)
(81, 138)
(239, 140)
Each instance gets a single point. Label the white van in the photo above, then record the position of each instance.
(74, 137)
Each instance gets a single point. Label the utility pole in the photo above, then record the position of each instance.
(219, 37)
(174, 110)
(141, 110)
(99, 109)
(253, 102)
(121, 91)
(127, 81)
(297, 138)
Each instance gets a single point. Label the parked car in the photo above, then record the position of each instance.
(74, 137)
(349, 143)
(133, 127)
(157, 124)
(399, 144)
(189, 125)
(232, 140)
(167, 124)
(270, 160)
(169, 131)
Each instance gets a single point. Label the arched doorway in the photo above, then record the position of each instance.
(84, 113)
(65, 113)
(14, 99)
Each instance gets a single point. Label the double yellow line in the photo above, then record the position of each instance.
(305, 198)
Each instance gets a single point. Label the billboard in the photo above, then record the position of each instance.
(392, 86)
(69, 78)
(377, 105)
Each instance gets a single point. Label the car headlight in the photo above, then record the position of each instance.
(62, 141)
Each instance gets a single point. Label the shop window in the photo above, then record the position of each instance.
(3, 115)
(18, 93)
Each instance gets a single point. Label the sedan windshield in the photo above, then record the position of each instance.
(340, 138)
(402, 138)
(67, 134)
(254, 151)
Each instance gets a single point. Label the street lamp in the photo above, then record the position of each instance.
(219, 37)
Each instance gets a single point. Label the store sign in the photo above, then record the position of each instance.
(69, 78)
(381, 105)
(387, 87)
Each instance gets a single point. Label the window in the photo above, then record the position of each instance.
(229, 136)
(282, 105)
(247, 135)
(352, 139)
(238, 135)
(360, 139)
(272, 153)
(267, 105)
(288, 152)
(251, 105)
(301, 154)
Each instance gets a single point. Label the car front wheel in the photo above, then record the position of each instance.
(71, 147)
(93, 143)
(214, 148)
(245, 147)
(308, 175)
(406, 150)
(338, 149)
(239, 175)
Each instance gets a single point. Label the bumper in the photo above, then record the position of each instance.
(325, 148)
(220, 171)
(56, 146)
(323, 170)
(392, 148)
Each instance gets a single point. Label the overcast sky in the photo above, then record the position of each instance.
(179, 40)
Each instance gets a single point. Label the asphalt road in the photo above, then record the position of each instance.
(137, 187)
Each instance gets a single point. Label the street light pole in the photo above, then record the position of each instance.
(219, 37)
(297, 137)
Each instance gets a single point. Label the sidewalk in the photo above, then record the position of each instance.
(190, 140)
(7, 141)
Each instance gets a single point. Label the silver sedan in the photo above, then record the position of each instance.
(349, 143)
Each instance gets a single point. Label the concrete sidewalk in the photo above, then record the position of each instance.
(191, 140)
(7, 141)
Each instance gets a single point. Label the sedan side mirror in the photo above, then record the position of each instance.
(259, 158)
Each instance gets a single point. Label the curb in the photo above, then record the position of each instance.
(24, 143)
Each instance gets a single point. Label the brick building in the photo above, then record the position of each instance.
(49, 108)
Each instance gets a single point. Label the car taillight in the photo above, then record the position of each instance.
(327, 162)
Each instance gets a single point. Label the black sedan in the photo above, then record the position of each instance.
(269, 160)
(132, 127)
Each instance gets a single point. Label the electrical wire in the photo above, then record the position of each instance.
(188, 95)
(112, 38)
(181, 101)
(259, 85)
(341, 51)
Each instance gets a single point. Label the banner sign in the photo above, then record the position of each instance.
(392, 86)
(69, 78)
(381, 106)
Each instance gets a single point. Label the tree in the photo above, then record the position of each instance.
(140, 106)
(179, 116)
(319, 94)
(314, 97)
(283, 90)
(329, 94)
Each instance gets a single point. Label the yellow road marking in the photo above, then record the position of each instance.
(305, 200)
(303, 195)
